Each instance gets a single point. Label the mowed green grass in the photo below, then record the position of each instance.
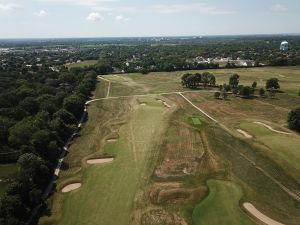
(7, 173)
(284, 149)
(196, 121)
(82, 64)
(221, 206)
(108, 191)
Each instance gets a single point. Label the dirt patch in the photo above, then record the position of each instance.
(99, 161)
(161, 217)
(253, 211)
(183, 153)
(270, 128)
(71, 187)
(246, 135)
(175, 193)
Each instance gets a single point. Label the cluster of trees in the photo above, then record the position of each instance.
(38, 112)
(272, 86)
(198, 80)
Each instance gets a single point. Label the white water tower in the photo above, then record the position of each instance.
(284, 46)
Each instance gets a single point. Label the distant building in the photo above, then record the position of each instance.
(284, 46)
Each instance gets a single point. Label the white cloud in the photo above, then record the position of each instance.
(9, 6)
(201, 8)
(121, 18)
(279, 8)
(94, 16)
(41, 13)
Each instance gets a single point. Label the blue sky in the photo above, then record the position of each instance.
(110, 18)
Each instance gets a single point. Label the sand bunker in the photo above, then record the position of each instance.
(71, 187)
(143, 104)
(251, 209)
(270, 128)
(99, 161)
(111, 140)
(244, 133)
(165, 104)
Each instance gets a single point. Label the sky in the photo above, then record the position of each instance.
(137, 18)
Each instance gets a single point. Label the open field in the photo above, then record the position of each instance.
(82, 64)
(179, 158)
(161, 81)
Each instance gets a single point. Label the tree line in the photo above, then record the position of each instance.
(39, 110)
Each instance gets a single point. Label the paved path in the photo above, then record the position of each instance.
(196, 107)
(109, 84)
(271, 129)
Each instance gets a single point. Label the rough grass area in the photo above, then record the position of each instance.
(221, 206)
(162, 81)
(284, 149)
(7, 174)
(246, 162)
(82, 64)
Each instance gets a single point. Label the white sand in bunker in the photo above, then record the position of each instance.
(143, 104)
(100, 161)
(270, 128)
(71, 187)
(165, 104)
(267, 220)
(246, 135)
(111, 140)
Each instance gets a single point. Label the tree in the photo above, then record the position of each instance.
(272, 83)
(12, 210)
(217, 95)
(254, 85)
(246, 92)
(294, 119)
(75, 105)
(272, 92)
(234, 81)
(262, 92)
